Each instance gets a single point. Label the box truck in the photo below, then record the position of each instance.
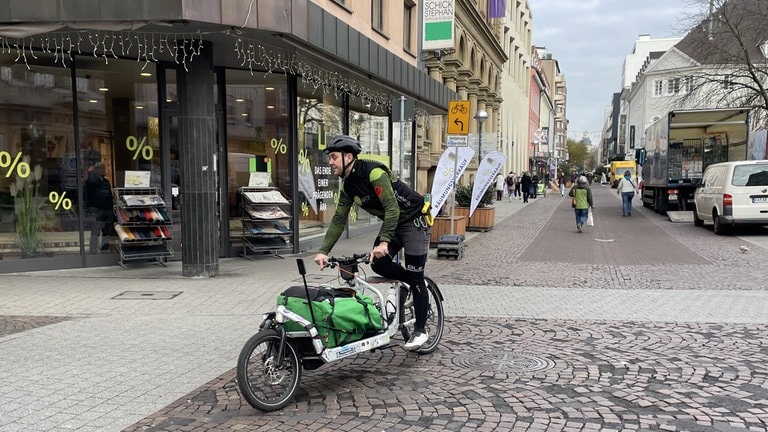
(680, 145)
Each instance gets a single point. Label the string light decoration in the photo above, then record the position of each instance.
(182, 48)
(143, 46)
(257, 55)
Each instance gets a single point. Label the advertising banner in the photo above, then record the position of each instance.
(496, 9)
(444, 180)
(437, 24)
(486, 172)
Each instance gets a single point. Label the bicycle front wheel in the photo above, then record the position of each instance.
(435, 319)
(265, 384)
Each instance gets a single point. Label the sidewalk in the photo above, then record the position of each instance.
(111, 361)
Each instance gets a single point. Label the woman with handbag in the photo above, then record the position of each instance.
(627, 190)
(581, 202)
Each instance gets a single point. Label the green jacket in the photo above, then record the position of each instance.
(583, 195)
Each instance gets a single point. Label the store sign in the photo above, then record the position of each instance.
(437, 23)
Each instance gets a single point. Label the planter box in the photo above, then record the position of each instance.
(442, 226)
(482, 219)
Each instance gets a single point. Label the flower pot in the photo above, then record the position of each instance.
(482, 219)
(442, 226)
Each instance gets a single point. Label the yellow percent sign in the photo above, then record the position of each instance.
(278, 145)
(139, 148)
(303, 160)
(60, 200)
(304, 208)
(12, 165)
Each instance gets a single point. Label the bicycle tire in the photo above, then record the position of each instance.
(264, 386)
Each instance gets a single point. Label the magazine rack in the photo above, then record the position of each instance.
(266, 220)
(142, 222)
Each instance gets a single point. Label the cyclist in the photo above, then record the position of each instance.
(373, 187)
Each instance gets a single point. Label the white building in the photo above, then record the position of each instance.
(632, 116)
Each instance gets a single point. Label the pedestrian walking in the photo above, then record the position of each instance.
(582, 201)
(603, 180)
(561, 183)
(518, 194)
(525, 185)
(626, 189)
(510, 180)
(534, 192)
(500, 183)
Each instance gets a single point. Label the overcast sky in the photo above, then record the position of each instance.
(590, 38)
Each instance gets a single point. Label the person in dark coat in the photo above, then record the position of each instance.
(98, 201)
(525, 184)
(535, 186)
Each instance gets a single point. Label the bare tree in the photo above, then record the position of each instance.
(730, 45)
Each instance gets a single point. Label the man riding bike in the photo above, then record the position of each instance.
(374, 188)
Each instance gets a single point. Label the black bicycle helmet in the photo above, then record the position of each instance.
(344, 144)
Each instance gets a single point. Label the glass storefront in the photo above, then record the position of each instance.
(66, 132)
(258, 138)
(39, 176)
(63, 205)
(319, 117)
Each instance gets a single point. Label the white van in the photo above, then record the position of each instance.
(732, 194)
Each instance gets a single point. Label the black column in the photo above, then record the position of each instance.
(197, 150)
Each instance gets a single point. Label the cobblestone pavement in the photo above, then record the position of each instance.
(511, 374)
(17, 324)
(636, 324)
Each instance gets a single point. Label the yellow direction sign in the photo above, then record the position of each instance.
(458, 117)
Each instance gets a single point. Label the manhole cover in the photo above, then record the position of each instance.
(504, 361)
(146, 295)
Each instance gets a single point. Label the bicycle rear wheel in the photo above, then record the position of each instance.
(265, 384)
(435, 319)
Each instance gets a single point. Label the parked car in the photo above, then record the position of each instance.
(732, 194)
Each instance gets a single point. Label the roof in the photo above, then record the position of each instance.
(732, 36)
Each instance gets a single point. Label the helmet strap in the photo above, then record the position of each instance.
(344, 164)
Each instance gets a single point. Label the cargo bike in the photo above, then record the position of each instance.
(270, 364)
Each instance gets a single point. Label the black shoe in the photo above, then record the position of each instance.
(629, 214)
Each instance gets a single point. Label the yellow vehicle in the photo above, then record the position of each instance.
(619, 167)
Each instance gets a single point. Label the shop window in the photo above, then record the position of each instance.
(320, 117)
(258, 139)
(38, 176)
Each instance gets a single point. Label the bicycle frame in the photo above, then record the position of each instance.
(360, 285)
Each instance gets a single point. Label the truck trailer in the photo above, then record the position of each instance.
(680, 145)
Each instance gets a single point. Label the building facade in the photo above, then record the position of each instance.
(515, 85)
(198, 97)
(558, 126)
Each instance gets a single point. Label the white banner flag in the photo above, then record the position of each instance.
(442, 185)
(486, 172)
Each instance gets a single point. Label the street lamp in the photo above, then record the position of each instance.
(481, 116)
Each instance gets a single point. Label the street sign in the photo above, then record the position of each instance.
(457, 141)
(458, 117)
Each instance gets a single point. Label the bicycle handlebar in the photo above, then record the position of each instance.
(362, 258)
